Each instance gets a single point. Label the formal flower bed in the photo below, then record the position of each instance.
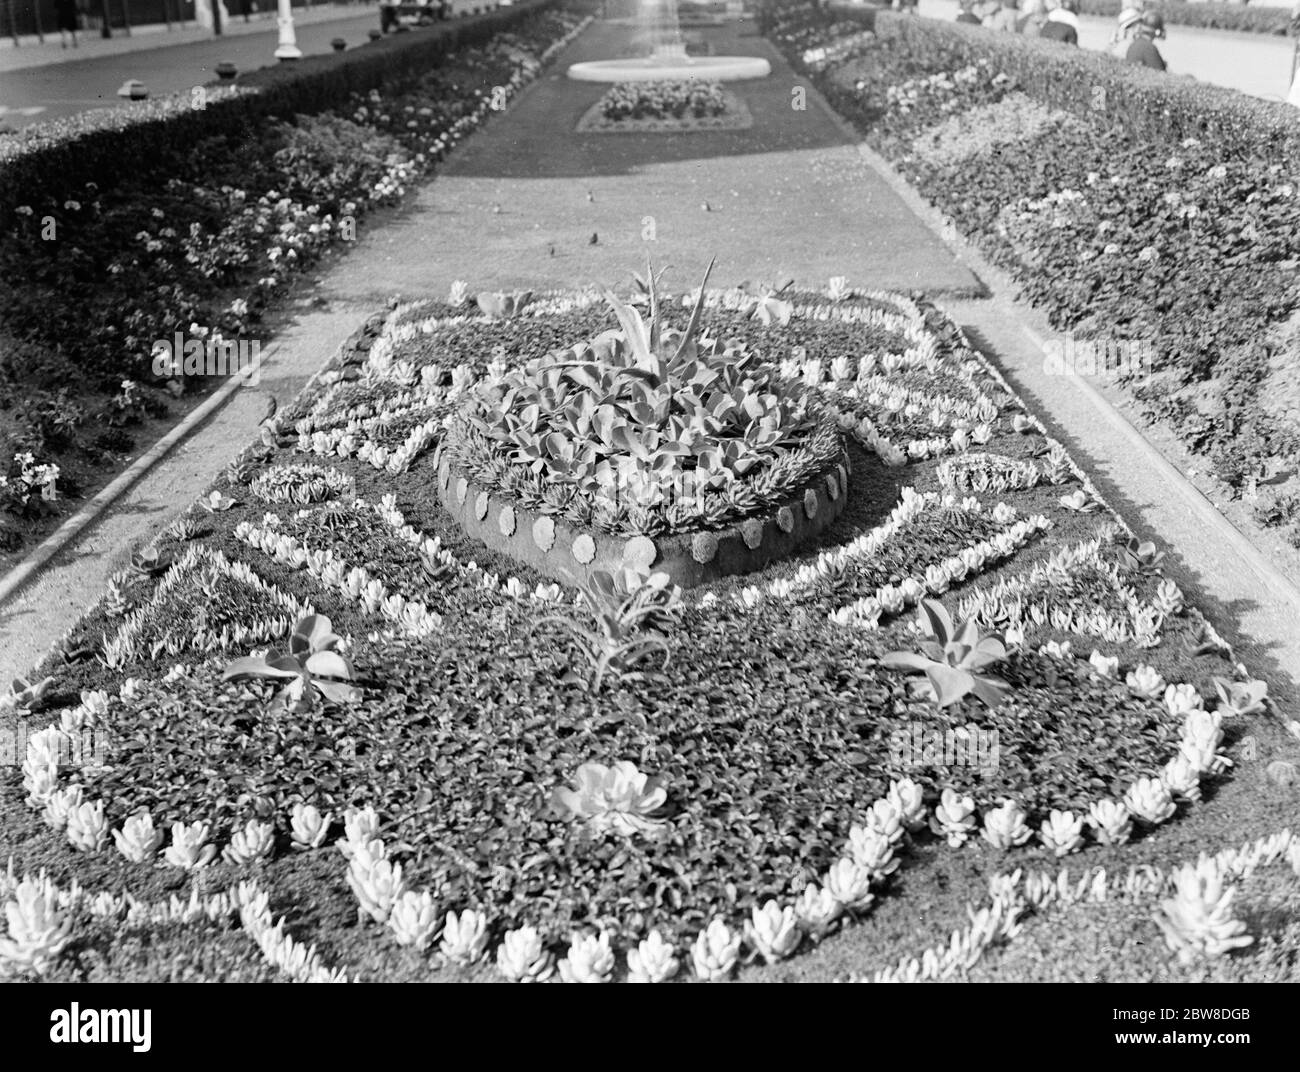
(666, 106)
(662, 100)
(205, 243)
(570, 780)
(1177, 238)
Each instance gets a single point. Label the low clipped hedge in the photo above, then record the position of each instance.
(1139, 147)
(1240, 17)
(104, 145)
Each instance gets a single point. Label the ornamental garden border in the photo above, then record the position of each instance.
(866, 854)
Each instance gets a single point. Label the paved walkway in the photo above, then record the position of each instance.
(56, 85)
(518, 205)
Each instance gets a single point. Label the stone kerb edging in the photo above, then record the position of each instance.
(571, 554)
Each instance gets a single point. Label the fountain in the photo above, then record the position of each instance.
(668, 60)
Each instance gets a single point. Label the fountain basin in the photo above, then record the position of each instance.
(672, 69)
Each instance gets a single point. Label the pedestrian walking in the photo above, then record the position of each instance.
(1062, 23)
(65, 14)
(1142, 49)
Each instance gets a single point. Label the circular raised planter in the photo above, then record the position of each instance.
(570, 553)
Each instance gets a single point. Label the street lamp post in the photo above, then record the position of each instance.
(288, 49)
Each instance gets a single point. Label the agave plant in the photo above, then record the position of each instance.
(954, 658)
(312, 665)
(630, 612)
(24, 695)
(1140, 556)
(151, 562)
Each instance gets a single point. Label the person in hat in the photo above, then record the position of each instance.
(1125, 28)
(1062, 23)
(1142, 49)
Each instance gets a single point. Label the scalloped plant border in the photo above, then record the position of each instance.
(571, 554)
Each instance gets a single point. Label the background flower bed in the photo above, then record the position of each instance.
(662, 100)
(1186, 229)
(769, 728)
(207, 229)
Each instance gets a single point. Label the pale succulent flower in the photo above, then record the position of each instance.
(773, 931)
(413, 919)
(360, 827)
(1004, 826)
(885, 818)
(377, 885)
(1110, 821)
(38, 931)
(1062, 832)
(1146, 681)
(1105, 665)
(1203, 727)
(873, 851)
(60, 804)
(715, 952)
(907, 798)
(1150, 800)
(309, 827)
(1197, 921)
(954, 817)
(618, 798)
(1182, 777)
(256, 841)
(849, 883)
(590, 959)
(464, 937)
(189, 848)
(41, 783)
(138, 841)
(1181, 699)
(652, 961)
(87, 828)
(522, 958)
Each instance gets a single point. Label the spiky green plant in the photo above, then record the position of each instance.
(954, 658)
(312, 665)
(630, 613)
